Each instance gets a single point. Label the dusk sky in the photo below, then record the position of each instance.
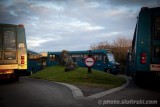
(56, 25)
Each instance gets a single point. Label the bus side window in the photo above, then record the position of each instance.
(35, 57)
(157, 28)
(74, 57)
(52, 57)
(38, 58)
(98, 57)
(56, 58)
(77, 57)
(30, 56)
(157, 51)
(85, 56)
(105, 59)
(95, 57)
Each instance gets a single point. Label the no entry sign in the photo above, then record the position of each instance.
(89, 61)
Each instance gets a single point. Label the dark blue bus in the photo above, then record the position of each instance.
(34, 62)
(144, 57)
(104, 59)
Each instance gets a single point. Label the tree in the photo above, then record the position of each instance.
(119, 48)
(100, 45)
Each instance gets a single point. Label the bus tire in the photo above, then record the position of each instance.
(16, 75)
(138, 78)
(107, 70)
(31, 72)
(17, 78)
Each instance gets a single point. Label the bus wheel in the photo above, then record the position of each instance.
(31, 72)
(108, 70)
(14, 77)
(17, 75)
(138, 78)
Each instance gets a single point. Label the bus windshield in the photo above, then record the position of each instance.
(110, 57)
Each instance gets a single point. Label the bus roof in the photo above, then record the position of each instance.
(149, 9)
(55, 53)
(4, 24)
(83, 52)
(30, 51)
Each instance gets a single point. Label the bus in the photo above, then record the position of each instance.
(13, 51)
(144, 57)
(34, 62)
(104, 59)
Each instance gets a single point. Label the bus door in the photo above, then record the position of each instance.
(8, 46)
(99, 61)
(155, 66)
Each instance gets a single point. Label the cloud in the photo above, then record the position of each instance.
(72, 24)
(135, 3)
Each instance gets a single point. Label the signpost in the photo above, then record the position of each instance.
(89, 61)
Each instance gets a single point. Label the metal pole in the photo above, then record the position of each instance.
(89, 68)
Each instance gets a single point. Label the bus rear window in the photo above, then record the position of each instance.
(9, 40)
(157, 28)
(53, 58)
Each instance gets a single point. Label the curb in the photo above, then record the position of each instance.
(77, 93)
(102, 94)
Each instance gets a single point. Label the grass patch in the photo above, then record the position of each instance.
(80, 76)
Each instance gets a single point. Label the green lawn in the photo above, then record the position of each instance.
(80, 76)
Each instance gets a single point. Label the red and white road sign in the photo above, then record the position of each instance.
(89, 61)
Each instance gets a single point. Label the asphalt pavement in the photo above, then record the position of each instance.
(40, 93)
(144, 95)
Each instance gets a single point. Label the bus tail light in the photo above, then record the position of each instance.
(22, 60)
(143, 58)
